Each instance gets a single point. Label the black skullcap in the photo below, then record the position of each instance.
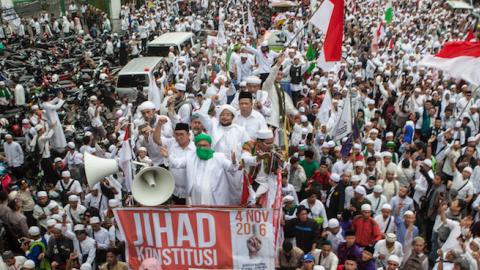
(182, 126)
(350, 233)
(245, 94)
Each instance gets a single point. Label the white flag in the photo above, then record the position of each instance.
(325, 109)
(343, 127)
(321, 18)
(251, 25)
(154, 94)
(221, 40)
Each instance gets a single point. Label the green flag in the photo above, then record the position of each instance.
(310, 53)
(389, 12)
(310, 68)
(229, 55)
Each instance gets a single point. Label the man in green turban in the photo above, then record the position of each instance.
(207, 171)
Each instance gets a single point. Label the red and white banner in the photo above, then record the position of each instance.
(199, 238)
(460, 59)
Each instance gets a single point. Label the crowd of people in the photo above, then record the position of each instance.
(399, 192)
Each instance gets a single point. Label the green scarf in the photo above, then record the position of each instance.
(205, 153)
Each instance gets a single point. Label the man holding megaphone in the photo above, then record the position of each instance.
(207, 181)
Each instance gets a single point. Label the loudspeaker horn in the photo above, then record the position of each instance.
(98, 168)
(152, 186)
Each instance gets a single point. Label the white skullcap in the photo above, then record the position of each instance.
(374, 130)
(394, 258)
(333, 223)
(79, 227)
(51, 222)
(386, 206)
(113, 203)
(42, 194)
(427, 162)
(253, 80)
(359, 164)
(458, 124)
(243, 84)
(88, 133)
(360, 190)
(29, 264)
(38, 127)
(288, 198)
(34, 231)
(377, 189)
(66, 174)
(57, 217)
(331, 144)
(264, 44)
(408, 213)
(146, 105)
(335, 177)
(371, 102)
(142, 148)
(391, 237)
(94, 220)
(93, 98)
(71, 145)
(366, 207)
(302, 110)
(468, 169)
(25, 121)
(58, 226)
(355, 178)
(8, 136)
(303, 118)
(264, 134)
(57, 159)
(389, 134)
(180, 87)
(73, 198)
(35, 107)
(357, 146)
(386, 154)
(228, 107)
(96, 186)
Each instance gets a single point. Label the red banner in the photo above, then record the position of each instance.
(199, 238)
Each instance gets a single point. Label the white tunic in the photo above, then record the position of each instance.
(19, 95)
(13, 153)
(252, 123)
(51, 108)
(207, 181)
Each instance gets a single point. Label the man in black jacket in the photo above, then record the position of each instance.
(335, 197)
(305, 230)
(59, 248)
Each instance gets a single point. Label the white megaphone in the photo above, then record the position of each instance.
(152, 186)
(98, 168)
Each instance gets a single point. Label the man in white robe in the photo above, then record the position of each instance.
(51, 107)
(207, 181)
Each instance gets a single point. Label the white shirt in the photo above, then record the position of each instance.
(75, 188)
(101, 237)
(75, 215)
(13, 153)
(73, 159)
(94, 119)
(179, 174)
(376, 202)
(317, 210)
(264, 60)
(252, 123)
(382, 224)
(19, 261)
(100, 201)
(381, 248)
(464, 187)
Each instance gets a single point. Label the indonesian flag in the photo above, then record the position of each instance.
(460, 59)
(329, 19)
(125, 159)
(470, 35)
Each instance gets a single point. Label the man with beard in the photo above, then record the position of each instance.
(207, 181)
(42, 209)
(179, 106)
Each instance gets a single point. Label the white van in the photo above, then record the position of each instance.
(137, 72)
(160, 45)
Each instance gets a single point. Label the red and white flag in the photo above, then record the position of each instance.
(460, 59)
(329, 18)
(125, 159)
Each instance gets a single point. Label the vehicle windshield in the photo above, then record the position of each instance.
(158, 51)
(132, 80)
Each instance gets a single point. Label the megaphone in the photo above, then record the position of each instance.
(98, 168)
(152, 186)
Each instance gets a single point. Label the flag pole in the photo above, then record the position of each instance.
(244, 22)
